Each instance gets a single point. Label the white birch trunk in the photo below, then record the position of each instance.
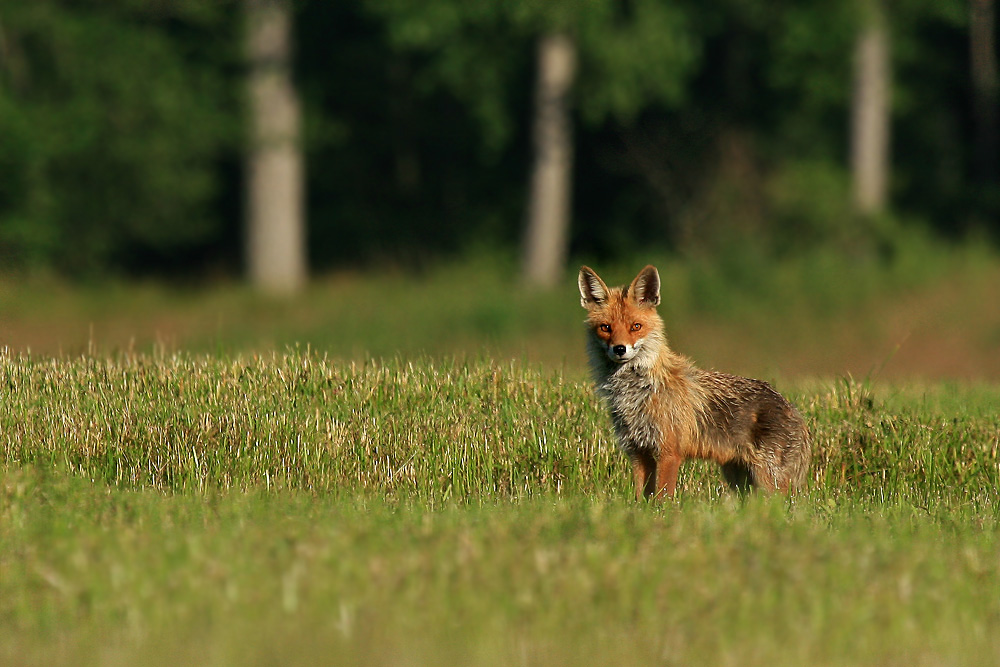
(546, 237)
(870, 118)
(275, 224)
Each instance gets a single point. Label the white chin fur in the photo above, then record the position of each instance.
(630, 353)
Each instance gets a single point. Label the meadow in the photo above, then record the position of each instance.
(206, 497)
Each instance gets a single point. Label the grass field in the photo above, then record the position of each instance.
(286, 508)
(413, 469)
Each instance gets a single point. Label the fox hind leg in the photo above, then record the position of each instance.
(739, 476)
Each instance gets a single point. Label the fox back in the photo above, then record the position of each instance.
(666, 410)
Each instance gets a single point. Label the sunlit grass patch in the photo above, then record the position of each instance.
(433, 430)
(288, 507)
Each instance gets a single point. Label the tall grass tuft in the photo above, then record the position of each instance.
(427, 430)
(297, 420)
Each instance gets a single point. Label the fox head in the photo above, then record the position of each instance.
(623, 321)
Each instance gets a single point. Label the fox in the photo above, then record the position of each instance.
(666, 410)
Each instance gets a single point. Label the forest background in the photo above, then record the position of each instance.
(769, 155)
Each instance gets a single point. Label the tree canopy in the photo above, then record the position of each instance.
(122, 127)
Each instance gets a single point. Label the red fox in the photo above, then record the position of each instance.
(666, 410)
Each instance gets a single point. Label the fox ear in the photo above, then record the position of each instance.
(593, 291)
(645, 289)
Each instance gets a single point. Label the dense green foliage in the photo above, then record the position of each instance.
(116, 118)
(189, 508)
(700, 124)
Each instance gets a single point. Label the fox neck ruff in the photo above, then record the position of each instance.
(654, 396)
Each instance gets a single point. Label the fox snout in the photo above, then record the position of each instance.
(621, 353)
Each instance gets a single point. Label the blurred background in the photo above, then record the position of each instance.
(817, 180)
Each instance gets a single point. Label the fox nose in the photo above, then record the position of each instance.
(619, 350)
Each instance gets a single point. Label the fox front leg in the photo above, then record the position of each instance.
(644, 473)
(666, 475)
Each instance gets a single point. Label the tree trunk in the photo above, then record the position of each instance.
(545, 243)
(982, 46)
(275, 225)
(870, 116)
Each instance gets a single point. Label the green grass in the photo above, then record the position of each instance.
(126, 577)
(411, 468)
(924, 313)
(292, 509)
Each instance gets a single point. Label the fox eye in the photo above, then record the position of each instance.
(606, 328)
(636, 326)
